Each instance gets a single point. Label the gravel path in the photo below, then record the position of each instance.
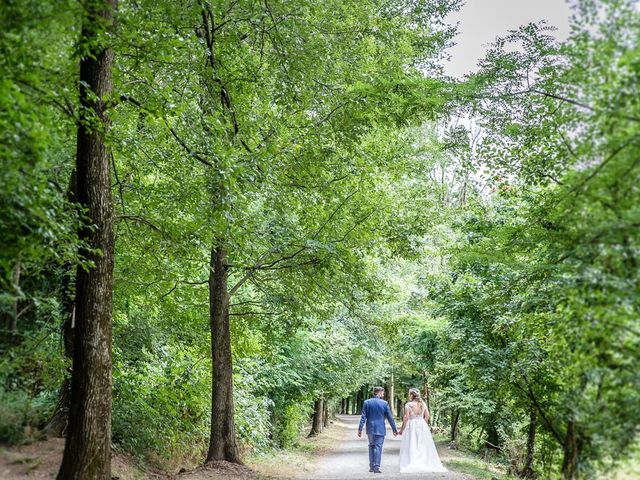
(350, 459)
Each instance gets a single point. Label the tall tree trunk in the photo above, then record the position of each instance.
(318, 414)
(492, 441)
(222, 442)
(87, 452)
(399, 407)
(347, 408)
(359, 402)
(325, 415)
(527, 470)
(571, 449)
(392, 393)
(427, 396)
(14, 338)
(455, 417)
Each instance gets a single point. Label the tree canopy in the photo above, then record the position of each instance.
(303, 206)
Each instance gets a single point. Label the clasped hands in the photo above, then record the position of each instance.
(395, 434)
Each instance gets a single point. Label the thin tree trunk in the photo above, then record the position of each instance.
(571, 451)
(222, 442)
(14, 338)
(325, 415)
(392, 393)
(362, 397)
(347, 409)
(455, 416)
(463, 197)
(527, 470)
(427, 396)
(87, 452)
(318, 413)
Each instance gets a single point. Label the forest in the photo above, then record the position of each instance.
(224, 221)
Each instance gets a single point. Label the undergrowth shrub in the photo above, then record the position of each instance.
(161, 405)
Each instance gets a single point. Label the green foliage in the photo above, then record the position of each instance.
(21, 412)
(494, 267)
(161, 403)
(542, 298)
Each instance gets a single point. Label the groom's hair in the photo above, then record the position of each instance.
(377, 390)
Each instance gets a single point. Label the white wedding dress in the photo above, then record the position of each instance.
(417, 450)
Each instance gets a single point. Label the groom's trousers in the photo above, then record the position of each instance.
(375, 450)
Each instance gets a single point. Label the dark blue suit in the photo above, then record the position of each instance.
(374, 412)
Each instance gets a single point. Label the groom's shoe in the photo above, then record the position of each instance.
(371, 469)
(377, 471)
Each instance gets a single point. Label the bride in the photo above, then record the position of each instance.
(417, 450)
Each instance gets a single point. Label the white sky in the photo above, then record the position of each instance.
(481, 21)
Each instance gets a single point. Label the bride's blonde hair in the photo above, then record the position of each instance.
(414, 396)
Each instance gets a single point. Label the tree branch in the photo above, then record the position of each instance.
(255, 313)
(183, 144)
(139, 219)
(169, 292)
(333, 214)
(529, 393)
(251, 269)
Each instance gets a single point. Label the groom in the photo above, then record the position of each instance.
(374, 411)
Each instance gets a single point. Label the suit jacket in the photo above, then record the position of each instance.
(374, 412)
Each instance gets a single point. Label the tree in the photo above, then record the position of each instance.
(541, 267)
(87, 452)
(284, 143)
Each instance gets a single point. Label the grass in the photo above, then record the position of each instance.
(476, 468)
(468, 462)
(299, 459)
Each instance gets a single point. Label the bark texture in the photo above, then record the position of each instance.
(455, 416)
(318, 418)
(222, 442)
(325, 415)
(87, 453)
